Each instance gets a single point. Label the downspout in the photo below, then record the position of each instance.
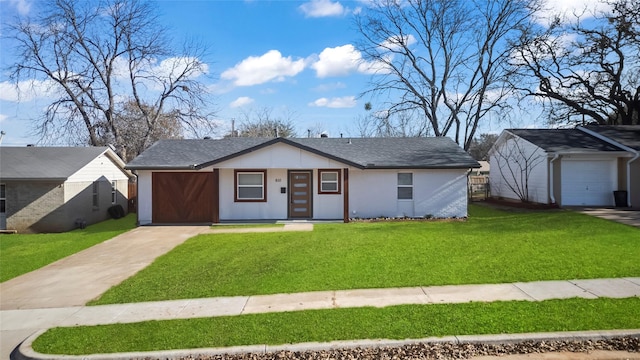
(551, 179)
(629, 177)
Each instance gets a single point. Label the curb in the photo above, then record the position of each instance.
(25, 351)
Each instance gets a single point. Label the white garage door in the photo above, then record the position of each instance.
(588, 182)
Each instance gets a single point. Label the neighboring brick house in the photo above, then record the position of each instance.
(54, 189)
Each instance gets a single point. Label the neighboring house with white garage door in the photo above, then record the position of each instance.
(216, 180)
(567, 167)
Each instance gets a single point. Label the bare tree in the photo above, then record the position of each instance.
(101, 55)
(135, 132)
(262, 123)
(442, 59)
(514, 161)
(585, 70)
(480, 146)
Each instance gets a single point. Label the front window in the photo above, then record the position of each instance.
(405, 186)
(251, 185)
(114, 192)
(329, 181)
(95, 195)
(3, 198)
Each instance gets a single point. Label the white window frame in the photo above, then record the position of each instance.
(404, 186)
(263, 186)
(321, 182)
(114, 192)
(3, 197)
(95, 195)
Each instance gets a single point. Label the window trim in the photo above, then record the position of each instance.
(338, 181)
(95, 195)
(404, 186)
(3, 198)
(114, 192)
(237, 173)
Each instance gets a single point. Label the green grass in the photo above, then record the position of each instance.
(397, 322)
(491, 247)
(22, 253)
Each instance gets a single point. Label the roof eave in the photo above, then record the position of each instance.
(275, 141)
(592, 152)
(161, 167)
(34, 179)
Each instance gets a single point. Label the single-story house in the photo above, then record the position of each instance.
(214, 180)
(56, 189)
(568, 167)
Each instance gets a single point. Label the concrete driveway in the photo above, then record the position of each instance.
(81, 277)
(621, 215)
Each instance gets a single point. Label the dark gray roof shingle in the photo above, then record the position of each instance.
(627, 135)
(564, 140)
(359, 152)
(44, 163)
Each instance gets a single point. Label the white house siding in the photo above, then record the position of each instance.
(277, 159)
(101, 166)
(274, 208)
(437, 193)
(537, 179)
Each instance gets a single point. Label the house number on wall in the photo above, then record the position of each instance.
(278, 180)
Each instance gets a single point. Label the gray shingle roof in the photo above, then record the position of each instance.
(627, 135)
(564, 140)
(44, 163)
(362, 153)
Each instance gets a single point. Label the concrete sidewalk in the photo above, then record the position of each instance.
(32, 319)
(19, 324)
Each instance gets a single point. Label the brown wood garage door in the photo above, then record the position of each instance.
(183, 197)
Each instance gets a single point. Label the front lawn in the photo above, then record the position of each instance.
(22, 253)
(491, 247)
(396, 322)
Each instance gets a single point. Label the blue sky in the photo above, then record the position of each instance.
(294, 57)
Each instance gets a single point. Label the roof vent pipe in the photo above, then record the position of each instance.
(275, 132)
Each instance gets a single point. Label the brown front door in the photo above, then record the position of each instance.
(300, 194)
(182, 197)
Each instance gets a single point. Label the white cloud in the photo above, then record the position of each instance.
(338, 102)
(341, 61)
(26, 90)
(175, 66)
(271, 66)
(322, 8)
(241, 101)
(22, 6)
(569, 8)
(3, 117)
